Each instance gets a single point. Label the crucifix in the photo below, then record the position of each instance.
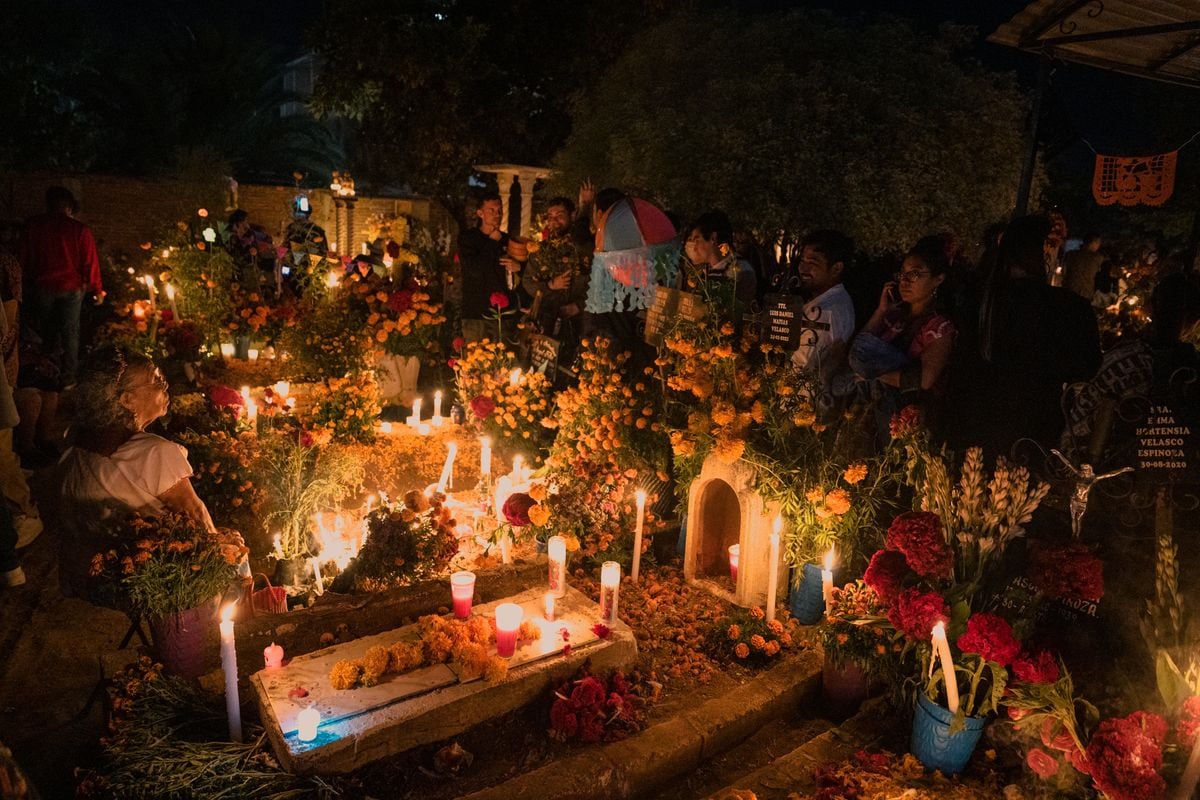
(1085, 479)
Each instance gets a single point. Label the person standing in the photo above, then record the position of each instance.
(709, 246)
(60, 264)
(558, 272)
(828, 309)
(1080, 268)
(483, 256)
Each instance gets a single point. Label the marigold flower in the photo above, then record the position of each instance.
(734, 632)
(855, 473)
(758, 642)
(741, 651)
(757, 612)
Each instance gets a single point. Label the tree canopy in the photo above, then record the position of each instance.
(790, 122)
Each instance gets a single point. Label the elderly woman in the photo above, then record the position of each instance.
(115, 467)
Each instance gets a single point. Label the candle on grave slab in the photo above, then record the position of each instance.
(251, 411)
(506, 549)
(245, 394)
(637, 533)
(556, 553)
(437, 408)
(414, 419)
(252, 354)
(610, 587)
(226, 349)
(307, 722)
(1191, 774)
(282, 388)
(447, 477)
(514, 377)
(485, 457)
(508, 622)
(386, 427)
(941, 651)
(273, 656)
(462, 593)
(233, 706)
(827, 581)
(734, 555)
(316, 566)
(773, 567)
(548, 602)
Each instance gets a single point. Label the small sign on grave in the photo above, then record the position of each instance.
(543, 354)
(670, 305)
(1166, 446)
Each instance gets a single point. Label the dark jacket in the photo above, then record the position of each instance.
(482, 273)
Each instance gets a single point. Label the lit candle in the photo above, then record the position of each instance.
(485, 457)
(548, 602)
(386, 428)
(149, 281)
(447, 477)
(226, 349)
(251, 411)
(514, 377)
(166, 253)
(462, 592)
(773, 567)
(506, 549)
(637, 532)
(437, 408)
(827, 581)
(508, 622)
(365, 249)
(1191, 774)
(610, 585)
(171, 300)
(941, 649)
(307, 722)
(282, 388)
(556, 550)
(734, 551)
(273, 656)
(245, 394)
(253, 354)
(233, 706)
(414, 419)
(331, 279)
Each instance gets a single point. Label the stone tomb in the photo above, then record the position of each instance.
(724, 509)
(359, 726)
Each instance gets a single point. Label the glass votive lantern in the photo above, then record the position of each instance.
(610, 585)
(556, 551)
(462, 591)
(734, 554)
(508, 622)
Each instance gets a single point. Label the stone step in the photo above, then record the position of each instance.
(666, 753)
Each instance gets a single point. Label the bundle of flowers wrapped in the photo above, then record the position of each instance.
(502, 401)
(746, 636)
(856, 632)
(162, 565)
(401, 318)
(590, 708)
(405, 543)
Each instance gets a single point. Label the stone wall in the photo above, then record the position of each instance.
(125, 211)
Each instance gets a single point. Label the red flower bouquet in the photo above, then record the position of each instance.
(991, 637)
(919, 536)
(590, 709)
(516, 509)
(916, 611)
(885, 574)
(1124, 757)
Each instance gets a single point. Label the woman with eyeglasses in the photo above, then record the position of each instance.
(905, 347)
(114, 465)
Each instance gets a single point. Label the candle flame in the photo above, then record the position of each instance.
(777, 525)
(641, 498)
(227, 612)
(939, 629)
(437, 395)
(170, 292)
(829, 560)
(514, 377)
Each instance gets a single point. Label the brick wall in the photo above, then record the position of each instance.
(123, 211)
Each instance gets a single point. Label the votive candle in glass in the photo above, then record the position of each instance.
(307, 722)
(556, 550)
(227, 350)
(734, 555)
(610, 585)
(508, 622)
(462, 591)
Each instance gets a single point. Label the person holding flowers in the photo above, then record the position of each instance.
(114, 466)
(482, 254)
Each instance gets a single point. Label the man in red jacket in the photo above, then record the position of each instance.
(59, 261)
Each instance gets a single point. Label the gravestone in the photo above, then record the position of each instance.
(785, 320)
(1167, 447)
(669, 306)
(543, 355)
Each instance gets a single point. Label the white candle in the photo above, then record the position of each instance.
(548, 602)
(171, 299)
(317, 574)
(386, 427)
(282, 388)
(331, 279)
(506, 549)
(415, 418)
(610, 585)
(365, 249)
(153, 291)
(233, 706)
(518, 461)
(226, 350)
(1191, 774)
(245, 394)
(447, 477)
(773, 567)
(253, 354)
(941, 648)
(307, 722)
(514, 377)
(437, 408)
(556, 551)
(637, 533)
(827, 581)
(485, 457)
(251, 411)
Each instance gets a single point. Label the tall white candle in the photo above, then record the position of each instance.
(447, 477)
(514, 377)
(941, 647)
(518, 462)
(317, 574)
(637, 533)
(1191, 774)
(233, 706)
(556, 551)
(171, 299)
(773, 567)
(827, 581)
(415, 419)
(485, 457)
(610, 585)
(251, 411)
(437, 407)
(245, 395)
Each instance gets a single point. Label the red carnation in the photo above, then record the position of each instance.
(918, 535)
(452, 363)
(563, 722)
(482, 406)
(1055, 735)
(1042, 763)
(224, 397)
(1124, 757)
(885, 574)
(916, 611)
(1189, 722)
(1070, 572)
(990, 636)
(498, 300)
(1040, 668)
(516, 509)
(905, 423)
(400, 301)
(459, 343)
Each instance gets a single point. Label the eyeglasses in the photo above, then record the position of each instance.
(912, 276)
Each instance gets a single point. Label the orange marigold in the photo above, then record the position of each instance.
(758, 642)
(741, 651)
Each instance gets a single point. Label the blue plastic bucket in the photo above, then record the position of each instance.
(807, 601)
(934, 745)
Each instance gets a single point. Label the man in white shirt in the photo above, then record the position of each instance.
(824, 346)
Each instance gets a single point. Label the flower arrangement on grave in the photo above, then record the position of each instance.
(200, 275)
(248, 312)
(745, 636)
(856, 631)
(591, 708)
(329, 339)
(401, 318)
(439, 639)
(345, 408)
(502, 401)
(406, 242)
(224, 474)
(303, 477)
(183, 340)
(405, 543)
(156, 566)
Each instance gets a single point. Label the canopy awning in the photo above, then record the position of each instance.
(1156, 39)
